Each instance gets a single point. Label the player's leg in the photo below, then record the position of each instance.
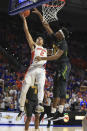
(28, 81)
(25, 87)
(55, 114)
(56, 99)
(61, 103)
(41, 83)
(28, 110)
(65, 70)
(58, 90)
(61, 87)
(37, 121)
(27, 123)
(56, 93)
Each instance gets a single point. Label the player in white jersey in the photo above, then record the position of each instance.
(36, 71)
(38, 50)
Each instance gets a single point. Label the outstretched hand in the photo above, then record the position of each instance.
(38, 58)
(22, 16)
(36, 11)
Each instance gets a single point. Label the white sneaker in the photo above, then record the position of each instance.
(39, 108)
(19, 116)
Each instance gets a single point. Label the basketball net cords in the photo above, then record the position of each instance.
(50, 12)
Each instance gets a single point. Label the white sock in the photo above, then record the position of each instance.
(21, 108)
(61, 108)
(53, 110)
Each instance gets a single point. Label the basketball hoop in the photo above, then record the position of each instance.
(51, 9)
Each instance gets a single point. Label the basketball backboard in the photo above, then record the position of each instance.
(17, 6)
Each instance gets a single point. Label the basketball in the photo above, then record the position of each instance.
(26, 13)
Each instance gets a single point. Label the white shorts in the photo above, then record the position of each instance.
(36, 73)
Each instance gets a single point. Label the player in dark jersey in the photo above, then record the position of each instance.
(30, 106)
(63, 67)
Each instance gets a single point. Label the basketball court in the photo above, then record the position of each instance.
(42, 128)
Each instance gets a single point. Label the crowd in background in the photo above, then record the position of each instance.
(10, 91)
(14, 61)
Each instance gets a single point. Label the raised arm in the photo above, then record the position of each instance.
(27, 33)
(45, 24)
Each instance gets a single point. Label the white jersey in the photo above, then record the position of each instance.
(38, 51)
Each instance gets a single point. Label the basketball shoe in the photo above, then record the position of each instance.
(19, 116)
(39, 108)
(58, 116)
(51, 116)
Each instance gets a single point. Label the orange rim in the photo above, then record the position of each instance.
(47, 5)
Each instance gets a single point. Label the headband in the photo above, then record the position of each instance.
(62, 33)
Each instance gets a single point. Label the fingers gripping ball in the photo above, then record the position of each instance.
(26, 13)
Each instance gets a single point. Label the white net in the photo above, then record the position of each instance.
(51, 9)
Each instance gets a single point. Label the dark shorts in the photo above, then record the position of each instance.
(30, 108)
(61, 79)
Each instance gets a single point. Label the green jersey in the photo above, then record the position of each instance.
(63, 46)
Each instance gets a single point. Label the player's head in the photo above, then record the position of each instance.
(39, 41)
(62, 33)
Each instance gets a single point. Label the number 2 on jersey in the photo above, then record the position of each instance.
(42, 53)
